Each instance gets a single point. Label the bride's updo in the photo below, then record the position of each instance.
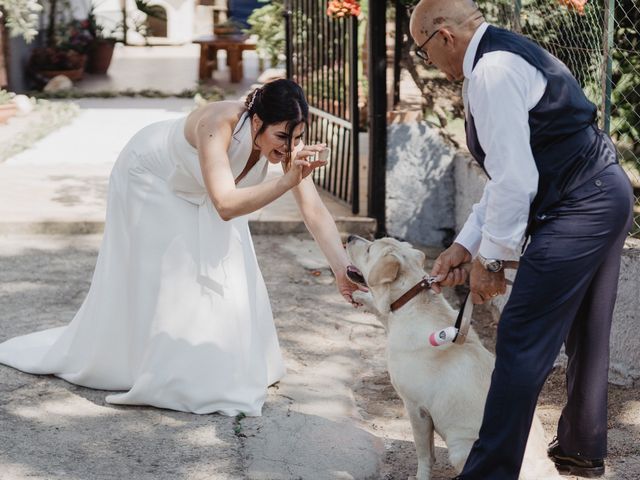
(279, 101)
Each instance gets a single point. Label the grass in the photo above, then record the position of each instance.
(237, 426)
(208, 94)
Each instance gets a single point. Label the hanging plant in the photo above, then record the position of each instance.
(343, 8)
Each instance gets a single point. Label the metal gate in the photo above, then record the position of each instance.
(322, 57)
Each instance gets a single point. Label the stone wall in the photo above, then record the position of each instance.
(420, 205)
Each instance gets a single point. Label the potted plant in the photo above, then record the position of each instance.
(102, 46)
(67, 44)
(50, 62)
(266, 23)
(8, 108)
(228, 27)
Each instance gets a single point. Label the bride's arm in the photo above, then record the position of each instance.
(213, 137)
(323, 228)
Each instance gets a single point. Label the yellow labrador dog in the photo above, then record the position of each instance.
(443, 388)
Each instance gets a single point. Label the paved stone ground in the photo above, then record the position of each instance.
(334, 416)
(311, 426)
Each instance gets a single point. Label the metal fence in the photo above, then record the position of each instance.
(599, 40)
(322, 57)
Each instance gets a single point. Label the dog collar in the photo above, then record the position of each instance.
(424, 284)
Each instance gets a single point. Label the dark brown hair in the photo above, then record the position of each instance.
(279, 101)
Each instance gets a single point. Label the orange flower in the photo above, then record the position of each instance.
(575, 5)
(343, 8)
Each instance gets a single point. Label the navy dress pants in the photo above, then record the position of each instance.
(564, 291)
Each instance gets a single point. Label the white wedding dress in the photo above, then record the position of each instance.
(177, 315)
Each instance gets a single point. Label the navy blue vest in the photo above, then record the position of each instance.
(567, 146)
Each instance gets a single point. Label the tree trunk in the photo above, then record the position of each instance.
(51, 28)
(4, 54)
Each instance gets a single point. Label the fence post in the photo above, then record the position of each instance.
(288, 39)
(354, 116)
(397, 50)
(609, 17)
(515, 21)
(377, 114)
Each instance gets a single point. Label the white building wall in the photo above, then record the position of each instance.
(180, 18)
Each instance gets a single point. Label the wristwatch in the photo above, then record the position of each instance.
(490, 264)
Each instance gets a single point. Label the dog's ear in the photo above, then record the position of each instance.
(385, 270)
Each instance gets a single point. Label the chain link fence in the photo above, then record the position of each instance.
(599, 40)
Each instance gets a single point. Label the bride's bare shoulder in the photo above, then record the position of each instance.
(225, 111)
(217, 115)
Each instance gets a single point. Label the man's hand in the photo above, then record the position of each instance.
(484, 284)
(446, 270)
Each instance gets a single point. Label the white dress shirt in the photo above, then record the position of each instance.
(501, 89)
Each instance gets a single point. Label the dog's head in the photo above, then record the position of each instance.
(386, 266)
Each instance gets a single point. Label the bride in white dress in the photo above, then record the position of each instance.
(178, 315)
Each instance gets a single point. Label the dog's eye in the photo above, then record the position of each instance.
(368, 248)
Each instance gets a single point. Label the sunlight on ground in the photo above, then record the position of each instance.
(57, 410)
(629, 413)
(15, 470)
(205, 437)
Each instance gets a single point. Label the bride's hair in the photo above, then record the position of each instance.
(279, 101)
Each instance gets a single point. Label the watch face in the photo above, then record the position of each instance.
(494, 265)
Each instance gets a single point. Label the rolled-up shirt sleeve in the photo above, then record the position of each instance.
(499, 100)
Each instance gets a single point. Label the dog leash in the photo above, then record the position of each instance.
(458, 333)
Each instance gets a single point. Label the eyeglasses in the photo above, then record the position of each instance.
(421, 52)
(419, 49)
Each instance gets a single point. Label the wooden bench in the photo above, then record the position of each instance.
(234, 46)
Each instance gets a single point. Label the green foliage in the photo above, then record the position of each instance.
(153, 11)
(208, 94)
(21, 17)
(5, 97)
(267, 24)
(625, 97)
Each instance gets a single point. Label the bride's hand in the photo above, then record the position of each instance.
(304, 161)
(346, 287)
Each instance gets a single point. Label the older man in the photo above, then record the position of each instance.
(554, 180)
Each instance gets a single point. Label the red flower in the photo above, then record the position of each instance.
(343, 8)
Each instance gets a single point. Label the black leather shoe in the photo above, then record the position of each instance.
(575, 464)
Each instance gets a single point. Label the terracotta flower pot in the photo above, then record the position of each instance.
(73, 75)
(7, 111)
(44, 61)
(100, 54)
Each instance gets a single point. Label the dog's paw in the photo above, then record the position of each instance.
(362, 297)
(365, 299)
